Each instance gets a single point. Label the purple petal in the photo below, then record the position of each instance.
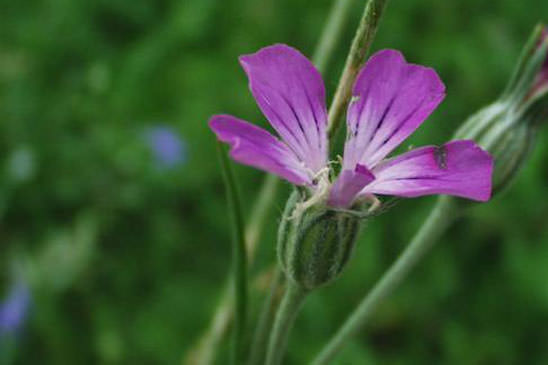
(348, 185)
(256, 147)
(459, 168)
(391, 99)
(290, 92)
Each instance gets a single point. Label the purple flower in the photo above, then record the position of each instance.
(14, 309)
(391, 98)
(168, 148)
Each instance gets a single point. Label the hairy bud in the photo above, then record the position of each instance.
(315, 244)
(507, 127)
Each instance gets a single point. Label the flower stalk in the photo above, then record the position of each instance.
(358, 51)
(506, 129)
(441, 217)
(287, 313)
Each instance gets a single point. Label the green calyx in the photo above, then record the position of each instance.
(507, 127)
(528, 86)
(507, 134)
(315, 244)
(533, 57)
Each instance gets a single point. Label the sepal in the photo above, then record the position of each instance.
(315, 244)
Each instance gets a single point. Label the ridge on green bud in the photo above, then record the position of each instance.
(529, 81)
(315, 243)
(508, 136)
(507, 127)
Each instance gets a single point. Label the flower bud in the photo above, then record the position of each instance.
(315, 244)
(507, 127)
(529, 81)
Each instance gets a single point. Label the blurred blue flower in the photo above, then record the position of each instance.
(168, 148)
(15, 307)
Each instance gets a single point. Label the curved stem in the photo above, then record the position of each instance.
(287, 313)
(358, 50)
(264, 324)
(239, 257)
(440, 218)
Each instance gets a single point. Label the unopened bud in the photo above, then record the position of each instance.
(507, 127)
(314, 244)
(529, 81)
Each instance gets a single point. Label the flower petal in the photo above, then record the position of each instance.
(256, 147)
(459, 168)
(290, 92)
(348, 185)
(391, 99)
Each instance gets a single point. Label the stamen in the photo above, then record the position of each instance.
(374, 201)
(318, 196)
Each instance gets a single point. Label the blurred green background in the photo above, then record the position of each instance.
(127, 259)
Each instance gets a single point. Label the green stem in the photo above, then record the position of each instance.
(239, 257)
(264, 324)
(440, 218)
(287, 313)
(358, 51)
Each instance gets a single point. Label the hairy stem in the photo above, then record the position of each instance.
(358, 51)
(285, 317)
(440, 218)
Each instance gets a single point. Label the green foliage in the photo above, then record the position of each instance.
(128, 260)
